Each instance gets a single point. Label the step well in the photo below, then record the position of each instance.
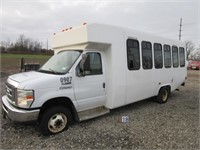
(93, 113)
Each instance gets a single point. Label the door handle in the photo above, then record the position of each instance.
(104, 85)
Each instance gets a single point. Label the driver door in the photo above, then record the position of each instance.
(90, 88)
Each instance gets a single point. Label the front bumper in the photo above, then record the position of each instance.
(18, 115)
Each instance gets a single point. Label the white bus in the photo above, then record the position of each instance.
(95, 68)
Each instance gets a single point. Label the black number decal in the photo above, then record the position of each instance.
(66, 80)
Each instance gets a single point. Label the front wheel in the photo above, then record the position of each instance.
(163, 95)
(55, 120)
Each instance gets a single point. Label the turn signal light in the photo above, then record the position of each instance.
(29, 97)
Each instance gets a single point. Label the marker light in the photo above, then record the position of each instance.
(84, 23)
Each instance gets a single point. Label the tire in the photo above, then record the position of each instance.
(163, 95)
(55, 120)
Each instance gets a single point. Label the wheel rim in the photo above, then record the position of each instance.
(57, 122)
(164, 95)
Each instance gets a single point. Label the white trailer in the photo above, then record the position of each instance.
(95, 68)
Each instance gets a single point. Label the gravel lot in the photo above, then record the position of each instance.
(174, 125)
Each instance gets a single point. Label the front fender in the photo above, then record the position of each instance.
(43, 95)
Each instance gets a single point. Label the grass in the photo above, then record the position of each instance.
(11, 62)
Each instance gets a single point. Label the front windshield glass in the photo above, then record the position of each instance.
(61, 62)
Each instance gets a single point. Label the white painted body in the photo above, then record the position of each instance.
(122, 86)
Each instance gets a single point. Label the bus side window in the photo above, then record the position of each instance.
(147, 55)
(175, 56)
(158, 57)
(133, 54)
(167, 56)
(182, 56)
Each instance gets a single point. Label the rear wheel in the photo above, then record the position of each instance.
(55, 120)
(163, 95)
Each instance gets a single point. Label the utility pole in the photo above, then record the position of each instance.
(180, 29)
(47, 44)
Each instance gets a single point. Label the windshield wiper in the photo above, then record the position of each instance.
(50, 71)
(54, 72)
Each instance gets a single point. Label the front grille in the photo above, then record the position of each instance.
(10, 92)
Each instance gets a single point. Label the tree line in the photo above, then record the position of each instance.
(23, 45)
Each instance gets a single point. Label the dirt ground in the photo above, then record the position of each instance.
(173, 125)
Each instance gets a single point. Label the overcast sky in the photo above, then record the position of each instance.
(39, 19)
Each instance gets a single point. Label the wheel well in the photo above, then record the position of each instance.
(169, 87)
(166, 86)
(59, 101)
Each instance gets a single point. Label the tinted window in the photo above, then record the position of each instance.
(158, 58)
(175, 56)
(167, 56)
(146, 55)
(182, 56)
(133, 54)
(95, 65)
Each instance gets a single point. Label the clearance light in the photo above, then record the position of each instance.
(84, 23)
(54, 33)
(63, 30)
(70, 28)
(66, 29)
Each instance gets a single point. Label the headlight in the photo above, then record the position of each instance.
(25, 98)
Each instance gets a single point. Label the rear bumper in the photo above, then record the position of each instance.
(194, 68)
(18, 115)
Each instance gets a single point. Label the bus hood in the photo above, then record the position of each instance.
(38, 80)
(32, 80)
(27, 76)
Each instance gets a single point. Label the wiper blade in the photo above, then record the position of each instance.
(50, 71)
(41, 70)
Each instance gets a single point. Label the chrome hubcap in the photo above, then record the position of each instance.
(57, 122)
(164, 95)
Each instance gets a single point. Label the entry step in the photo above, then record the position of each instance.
(92, 113)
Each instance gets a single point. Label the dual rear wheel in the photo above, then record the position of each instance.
(163, 95)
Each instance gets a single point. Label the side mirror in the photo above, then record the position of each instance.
(84, 65)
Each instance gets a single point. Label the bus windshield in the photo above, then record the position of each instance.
(61, 62)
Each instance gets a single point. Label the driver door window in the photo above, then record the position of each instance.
(95, 64)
